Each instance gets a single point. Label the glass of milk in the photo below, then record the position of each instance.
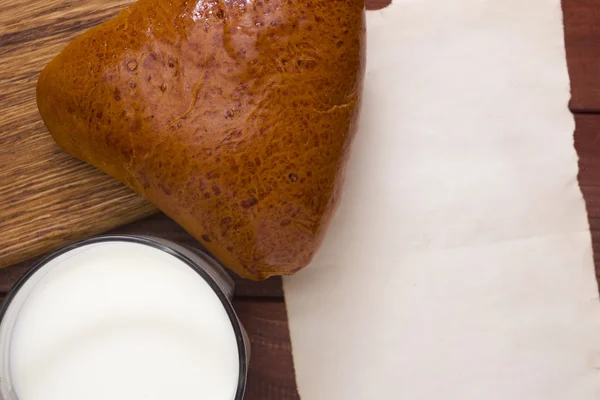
(122, 318)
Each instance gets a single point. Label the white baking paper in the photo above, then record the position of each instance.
(459, 264)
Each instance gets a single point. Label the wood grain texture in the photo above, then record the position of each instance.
(582, 35)
(582, 40)
(47, 198)
(587, 143)
(271, 371)
(377, 4)
(161, 226)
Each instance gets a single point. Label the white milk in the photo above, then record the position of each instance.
(123, 321)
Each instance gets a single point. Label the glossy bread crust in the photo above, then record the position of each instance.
(234, 117)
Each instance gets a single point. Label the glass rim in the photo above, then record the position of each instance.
(163, 245)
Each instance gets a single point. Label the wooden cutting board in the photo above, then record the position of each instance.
(47, 198)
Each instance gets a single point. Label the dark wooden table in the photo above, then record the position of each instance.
(261, 305)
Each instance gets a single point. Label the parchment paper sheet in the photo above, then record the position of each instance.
(459, 265)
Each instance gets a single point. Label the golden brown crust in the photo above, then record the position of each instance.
(233, 116)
